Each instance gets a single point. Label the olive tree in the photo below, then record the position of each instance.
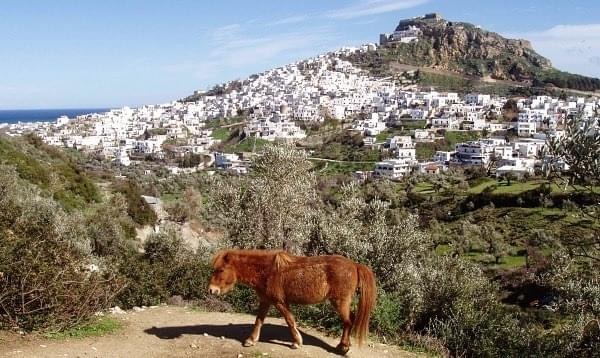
(272, 206)
(579, 149)
(369, 232)
(574, 269)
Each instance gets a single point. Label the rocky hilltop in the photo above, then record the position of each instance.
(461, 48)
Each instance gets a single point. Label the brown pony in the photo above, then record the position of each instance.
(281, 279)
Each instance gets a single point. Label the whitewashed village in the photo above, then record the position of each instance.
(272, 105)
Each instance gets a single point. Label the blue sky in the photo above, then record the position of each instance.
(108, 53)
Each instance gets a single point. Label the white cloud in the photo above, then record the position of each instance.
(289, 20)
(573, 48)
(233, 51)
(225, 33)
(373, 7)
(368, 21)
(260, 49)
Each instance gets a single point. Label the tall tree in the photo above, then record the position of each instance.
(272, 206)
(579, 149)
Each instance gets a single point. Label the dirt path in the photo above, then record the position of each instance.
(181, 332)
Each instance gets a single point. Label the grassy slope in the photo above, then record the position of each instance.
(221, 133)
(522, 223)
(49, 168)
(517, 187)
(451, 138)
(246, 145)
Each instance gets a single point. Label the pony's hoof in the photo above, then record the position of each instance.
(295, 346)
(342, 348)
(249, 343)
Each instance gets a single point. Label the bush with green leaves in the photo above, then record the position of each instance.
(574, 270)
(111, 231)
(49, 168)
(271, 207)
(368, 232)
(579, 148)
(166, 268)
(49, 278)
(137, 208)
(186, 209)
(481, 331)
(576, 285)
(57, 269)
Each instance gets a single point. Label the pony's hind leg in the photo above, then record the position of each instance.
(291, 322)
(263, 309)
(342, 306)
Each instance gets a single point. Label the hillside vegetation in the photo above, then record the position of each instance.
(464, 267)
(50, 169)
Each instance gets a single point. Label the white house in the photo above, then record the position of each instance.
(518, 167)
(474, 153)
(526, 129)
(443, 156)
(447, 121)
(423, 135)
(478, 99)
(504, 152)
(393, 169)
(123, 158)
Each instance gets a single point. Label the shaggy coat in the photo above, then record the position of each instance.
(281, 279)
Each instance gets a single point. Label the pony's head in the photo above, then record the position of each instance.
(224, 275)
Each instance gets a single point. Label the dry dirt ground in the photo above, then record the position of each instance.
(169, 331)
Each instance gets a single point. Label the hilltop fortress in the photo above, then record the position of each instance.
(406, 31)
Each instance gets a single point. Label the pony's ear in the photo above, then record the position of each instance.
(218, 258)
(221, 258)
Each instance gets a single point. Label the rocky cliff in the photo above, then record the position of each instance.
(466, 49)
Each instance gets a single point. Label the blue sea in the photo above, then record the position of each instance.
(44, 115)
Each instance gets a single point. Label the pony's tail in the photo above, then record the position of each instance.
(366, 303)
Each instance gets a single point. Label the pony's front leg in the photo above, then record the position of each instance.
(291, 322)
(263, 309)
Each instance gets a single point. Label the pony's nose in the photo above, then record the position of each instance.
(214, 290)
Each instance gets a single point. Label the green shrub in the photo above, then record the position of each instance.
(166, 268)
(137, 208)
(566, 80)
(391, 315)
(242, 299)
(190, 160)
(50, 169)
(322, 316)
(47, 277)
(481, 331)
(110, 229)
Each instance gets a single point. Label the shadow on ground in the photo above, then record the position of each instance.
(270, 333)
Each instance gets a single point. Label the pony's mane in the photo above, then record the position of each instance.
(282, 259)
